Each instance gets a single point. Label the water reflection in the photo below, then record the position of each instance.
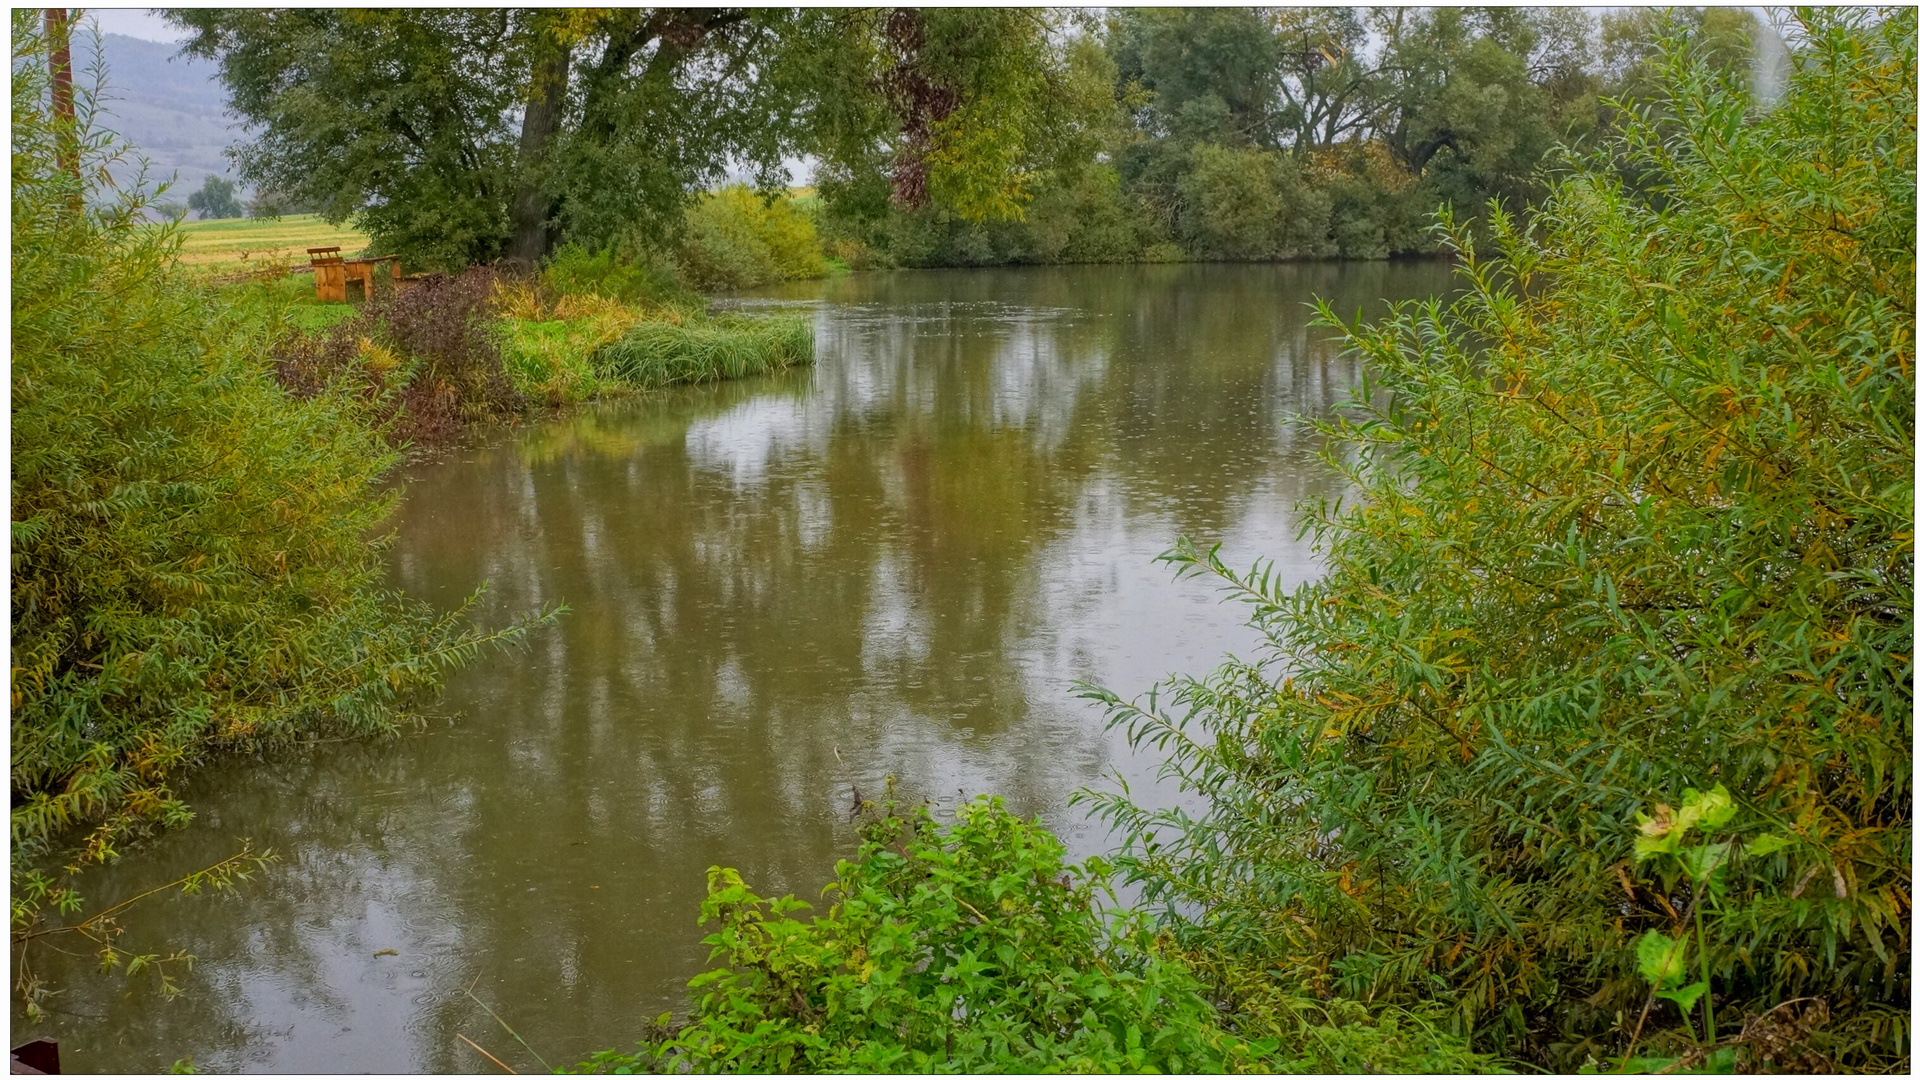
(893, 564)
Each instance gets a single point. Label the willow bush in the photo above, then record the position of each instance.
(190, 554)
(1634, 517)
(734, 238)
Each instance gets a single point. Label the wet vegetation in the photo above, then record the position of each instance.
(661, 354)
(1592, 746)
(1590, 750)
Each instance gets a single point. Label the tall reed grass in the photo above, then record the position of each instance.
(656, 354)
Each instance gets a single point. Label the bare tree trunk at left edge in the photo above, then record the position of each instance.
(60, 77)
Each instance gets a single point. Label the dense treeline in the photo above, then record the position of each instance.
(1249, 134)
(459, 135)
(942, 137)
(1591, 750)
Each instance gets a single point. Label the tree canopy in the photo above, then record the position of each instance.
(473, 135)
(467, 135)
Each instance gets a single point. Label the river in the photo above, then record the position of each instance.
(896, 563)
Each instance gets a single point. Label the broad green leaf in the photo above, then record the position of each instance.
(1686, 995)
(1711, 809)
(1662, 959)
(1647, 846)
(1703, 860)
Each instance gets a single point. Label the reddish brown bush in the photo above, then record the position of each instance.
(422, 359)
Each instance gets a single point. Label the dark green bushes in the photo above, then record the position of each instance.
(575, 270)
(1634, 517)
(191, 568)
(1080, 217)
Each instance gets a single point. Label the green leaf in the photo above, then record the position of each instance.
(1662, 959)
(1647, 846)
(1686, 995)
(1769, 843)
(1711, 809)
(1703, 860)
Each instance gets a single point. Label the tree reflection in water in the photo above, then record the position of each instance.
(893, 564)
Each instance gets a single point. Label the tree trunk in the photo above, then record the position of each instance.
(60, 77)
(533, 233)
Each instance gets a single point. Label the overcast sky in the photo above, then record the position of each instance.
(135, 22)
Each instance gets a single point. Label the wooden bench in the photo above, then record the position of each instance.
(331, 273)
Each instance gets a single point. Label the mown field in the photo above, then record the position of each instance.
(237, 243)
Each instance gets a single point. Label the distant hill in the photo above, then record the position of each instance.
(171, 108)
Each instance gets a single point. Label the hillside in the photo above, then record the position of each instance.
(171, 108)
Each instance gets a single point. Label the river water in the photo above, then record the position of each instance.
(896, 563)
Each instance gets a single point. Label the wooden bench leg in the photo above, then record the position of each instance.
(330, 282)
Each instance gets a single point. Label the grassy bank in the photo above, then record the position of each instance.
(731, 347)
(440, 354)
(589, 325)
(493, 346)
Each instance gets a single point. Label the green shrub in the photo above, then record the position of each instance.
(1635, 516)
(655, 354)
(574, 270)
(1083, 219)
(1078, 216)
(1233, 208)
(191, 563)
(735, 238)
(553, 359)
(970, 948)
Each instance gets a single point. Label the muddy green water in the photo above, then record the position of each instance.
(895, 563)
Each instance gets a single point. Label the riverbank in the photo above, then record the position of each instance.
(427, 358)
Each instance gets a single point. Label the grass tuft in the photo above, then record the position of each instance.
(655, 354)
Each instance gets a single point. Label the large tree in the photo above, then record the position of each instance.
(469, 135)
